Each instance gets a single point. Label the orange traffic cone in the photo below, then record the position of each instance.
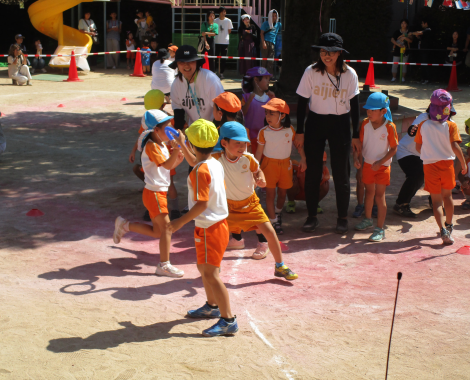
(453, 79)
(138, 66)
(370, 80)
(206, 64)
(73, 74)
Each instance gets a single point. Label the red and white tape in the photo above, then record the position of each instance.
(397, 63)
(242, 58)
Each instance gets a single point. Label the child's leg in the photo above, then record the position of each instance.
(324, 189)
(381, 204)
(281, 199)
(139, 173)
(360, 187)
(145, 229)
(270, 196)
(437, 209)
(294, 190)
(273, 242)
(369, 199)
(448, 205)
(172, 193)
(165, 236)
(216, 291)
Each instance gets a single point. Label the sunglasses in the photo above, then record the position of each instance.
(327, 53)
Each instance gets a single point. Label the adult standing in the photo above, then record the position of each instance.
(269, 31)
(209, 29)
(331, 89)
(162, 74)
(454, 49)
(113, 36)
(427, 43)
(222, 39)
(400, 40)
(38, 62)
(18, 70)
(467, 43)
(87, 25)
(141, 22)
(193, 88)
(247, 46)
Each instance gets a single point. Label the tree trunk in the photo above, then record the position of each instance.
(302, 29)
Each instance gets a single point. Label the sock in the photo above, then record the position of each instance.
(447, 224)
(229, 320)
(237, 237)
(173, 203)
(261, 238)
(273, 220)
(163, 263)
(212, 307)
(278, 210)
(126, 226)
(278, 265)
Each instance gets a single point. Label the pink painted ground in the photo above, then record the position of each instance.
(77, 306)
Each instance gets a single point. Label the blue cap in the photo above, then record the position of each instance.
(232, 130)
(377, 101)
(152, 118)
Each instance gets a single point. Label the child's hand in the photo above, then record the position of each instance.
(260, 182)
(132, 158)
(271, 94)
(180, 158)
(174, 144)
(303, 165)
(181, 139)
(376, 166)
(464, 170)
(357, 164)
(174, 226)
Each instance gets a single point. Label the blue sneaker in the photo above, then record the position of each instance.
(358, 211)
(204, 312)
(222, 328)
(374, 211)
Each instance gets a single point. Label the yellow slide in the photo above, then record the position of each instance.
(47, 17)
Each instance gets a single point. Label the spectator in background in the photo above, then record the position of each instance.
(153, 47)
(87, 25)
(162, 75)
(19, 41)
(38, 62)
(141, 23)
(427, 41)
(223, 38)
(454, 49)
(145, 56)
(247, 46)
(113, 32)
(467, 42)
(209, 30)
(18, 71)
(172, 50)
(269, 31)
(151, 26)
(400, 40)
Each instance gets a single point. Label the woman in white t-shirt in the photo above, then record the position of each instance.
(162, 74)
(193, 88)
(18, 71)
(87, 25)
(331, 89)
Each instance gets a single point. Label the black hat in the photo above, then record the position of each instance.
(185, 53)
(163, 54)
(330, 42)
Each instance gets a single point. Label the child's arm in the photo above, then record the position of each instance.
(357, 160)
(377, 164)
(259, 152)
(132, 155)
(246, 107)
(181, 141)
(172, 161)
(459, 154)
(303, 159)
(195, 211)
(259, 178)
(179, 160)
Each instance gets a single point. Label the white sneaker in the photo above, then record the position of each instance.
(261, 252)
(236, 244)
(222, 76)
(43, 70)
(119, 231)
(402, 80)
(393, 80)
(168, 270)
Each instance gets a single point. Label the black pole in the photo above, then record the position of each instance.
(399, 275)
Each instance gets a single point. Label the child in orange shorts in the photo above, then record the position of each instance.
(297, 191)
(242, 171)
(208, 207)
(275, 144)
(437, 141)
(379, 144)
(157, 163)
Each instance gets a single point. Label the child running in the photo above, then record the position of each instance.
(157, 163)
(275, 143)
(379, 144)
(437, 141)
(256, 95)
(208, 207)
(242, 172)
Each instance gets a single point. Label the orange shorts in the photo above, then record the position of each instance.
(130, 54)
(301, 179)
(278, 173)
(438, 176)
(211, 243)
(379, 177)
(245, 215)
(155, 202)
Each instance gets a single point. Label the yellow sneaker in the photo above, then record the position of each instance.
(285, 272)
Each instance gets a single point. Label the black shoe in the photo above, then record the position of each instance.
(449, 227)
(175, 214)
(147, 216)
(310, 224)
(404, 210)
(341, 226)
(278, 228)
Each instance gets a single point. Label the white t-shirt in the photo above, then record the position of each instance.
(407, 145)
(324, 99)
(206, 183)
(157, 178)
(13, 68)
(86, 25)
(239, 180)
(377, 142)
(162, 76)
(206, 87)
(277, 142)
(224, 25)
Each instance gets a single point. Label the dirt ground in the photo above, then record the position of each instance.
(77, 306)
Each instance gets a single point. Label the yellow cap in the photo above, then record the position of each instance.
(467, 123)
(202, 134)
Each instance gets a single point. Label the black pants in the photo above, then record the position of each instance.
(223, 51)
(211, 51)
(412, 166)
(335, 129)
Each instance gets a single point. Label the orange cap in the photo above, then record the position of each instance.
(228, 101)
(173, 48)
(276, 104)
